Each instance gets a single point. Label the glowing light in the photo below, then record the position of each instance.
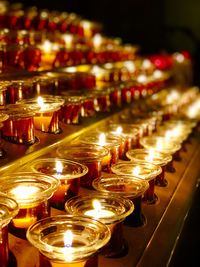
(59, 167)
(151, 155)
(68, 239)
(98, 211)
(102, 139)
(146, 64)
(25, 192)
(157, 74)
(142, 78)
(136, 171)
(40, 102)
(47, 46)
(179, 57)
(97, 40)
(119, 130)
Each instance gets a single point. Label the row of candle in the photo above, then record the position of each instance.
(14, 16)
(44, 113)
(49, 55)
(90, 78)
(124, 185)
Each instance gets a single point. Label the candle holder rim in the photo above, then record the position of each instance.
(163, 158)
(19, 110)
(70, 206)
(55, 101)
(3, 116)
(66, 161)
(10, 208)
(156, 170)
(173, 148)
(111, 139)
(50, 184)
(88, 148)
(103, 233)
(99, 183)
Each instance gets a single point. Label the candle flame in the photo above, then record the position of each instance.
(47, 46)
(168, 134)
(119, 130)
(151, 155)
(96, 205)
(97, 40)
(40, 101)
(102, 139)
(142, 78)
(136, 171)
(68, 239)
(159, 144)
(59, 167)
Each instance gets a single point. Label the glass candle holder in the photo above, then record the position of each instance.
(115, 96)
(151, 156)
(89, 155)
(162, 145)
(103, 99)
(126, 131)
(126, 186)
(68, 241)
(145, 171)
(8, 210)
(19, 127)
(19, 89)
(3, 118)
(46, 114)
(70, 112)
(69, 174)
(113, 143)
(43, 85)
(87, 101)
(179, 133)
(31, 191)
(3, 88)
(111, 211)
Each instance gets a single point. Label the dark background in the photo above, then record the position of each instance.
(156, 25)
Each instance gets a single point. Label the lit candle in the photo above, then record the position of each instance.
(98, 212)
(87, 28)
(49, 51)
(66, 171)
(46, 118)
(142, 170)
(129, 187)
(43, 121)
(151, 156)
(19, 127)
(110, 210)
(106, 160)
(25, 192)
(31, 191)
(68, 241)
(8, 209)
(87, 154)
(97, 41)
(112, 143)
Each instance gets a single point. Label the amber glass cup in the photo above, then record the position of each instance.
(111, 211)
(69, 174)
(31, 191)
(8, 210)
(68, 241)
(126, 186)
